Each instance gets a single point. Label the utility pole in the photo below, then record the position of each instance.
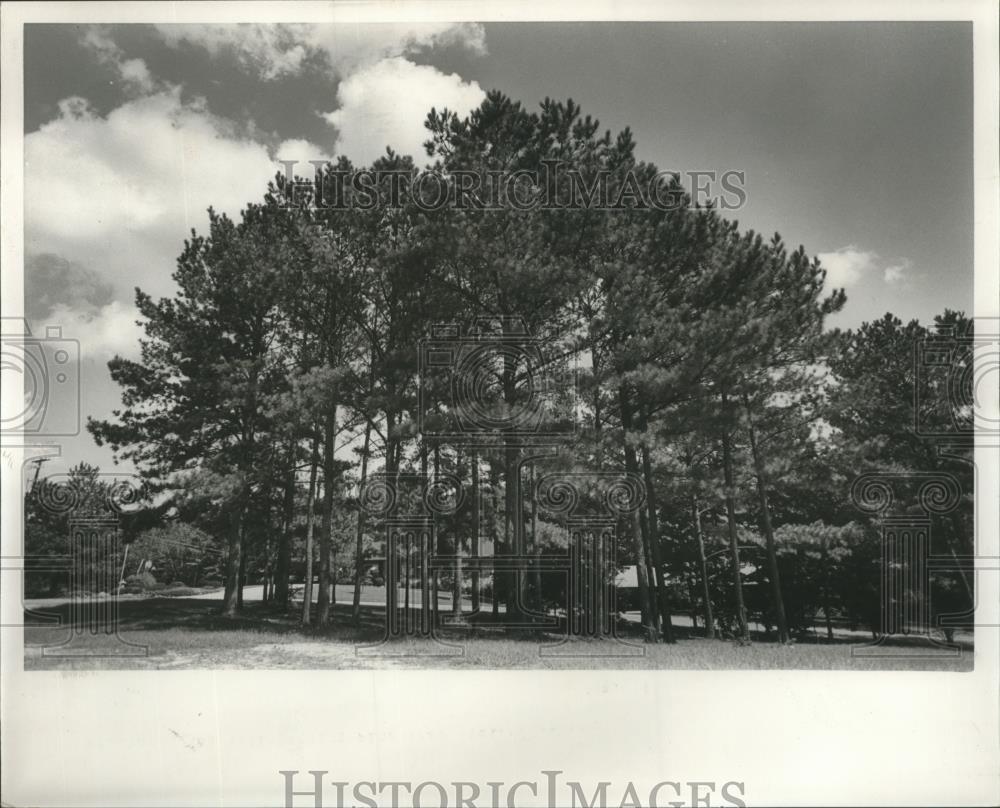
(38, 467)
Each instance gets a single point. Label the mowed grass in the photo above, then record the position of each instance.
(178, 633)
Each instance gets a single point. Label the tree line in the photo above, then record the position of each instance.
(286, 370)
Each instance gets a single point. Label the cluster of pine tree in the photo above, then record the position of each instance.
(285, 371)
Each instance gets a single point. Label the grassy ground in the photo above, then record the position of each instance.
(183, 633)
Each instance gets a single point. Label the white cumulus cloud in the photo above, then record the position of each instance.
(846, 266)
(276, 50)
(849, 265)
(120, 193)
(133, 73)
(386, 103)
(110, 330)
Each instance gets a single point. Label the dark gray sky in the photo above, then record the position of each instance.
(856, 138)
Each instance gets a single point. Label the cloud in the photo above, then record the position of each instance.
(846, 266)
(849, 265)
(386, 103)
(299, 150)
(268, 50)
(382, 97)
(897, 273)
(119, 193)
(133, 73)
(51, 281)
(103, 332)
(273, 51)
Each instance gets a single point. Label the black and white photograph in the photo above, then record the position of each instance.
(379, 342)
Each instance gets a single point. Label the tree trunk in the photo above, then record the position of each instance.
(510, 530)
(734, 547)
(826, 589)
(646, 607)
(326, 532)
(285, 545)
(456, 580)
(242, 576)
(961, 538)
(234, 559)
(392, 471)
(654, 614)
(310, 505)
(425, 551)
(359, 565)
(596, 403)
(765, 519)
(512, 526)
(498, 548)
(657, 602)
(703, 569)
(654, 545)
(474, 548)
(536, 547)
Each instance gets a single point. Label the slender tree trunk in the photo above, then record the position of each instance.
(825, 560)
(693, 598)
(654, 545)
(474, 548)
(310, 505)
(498, 548)
(512, 526)
(456, 581)
(596, 404)
(703, 569)
(326, 533)
(765, 521)
(434, 547)
(242, 576)
(392, 475)
(333, 576)
(424, 551)
(657, 601)
(265, 590)
(359, 566)
(536, 547)
(285, 546)
(960, 537)
(654, 613)
(234, 557)
(734, 547)
(646, 607)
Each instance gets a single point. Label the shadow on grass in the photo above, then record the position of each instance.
(168, 614)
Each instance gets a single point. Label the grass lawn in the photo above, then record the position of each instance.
(187, 633)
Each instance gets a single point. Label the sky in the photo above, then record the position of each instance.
(855, 140)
